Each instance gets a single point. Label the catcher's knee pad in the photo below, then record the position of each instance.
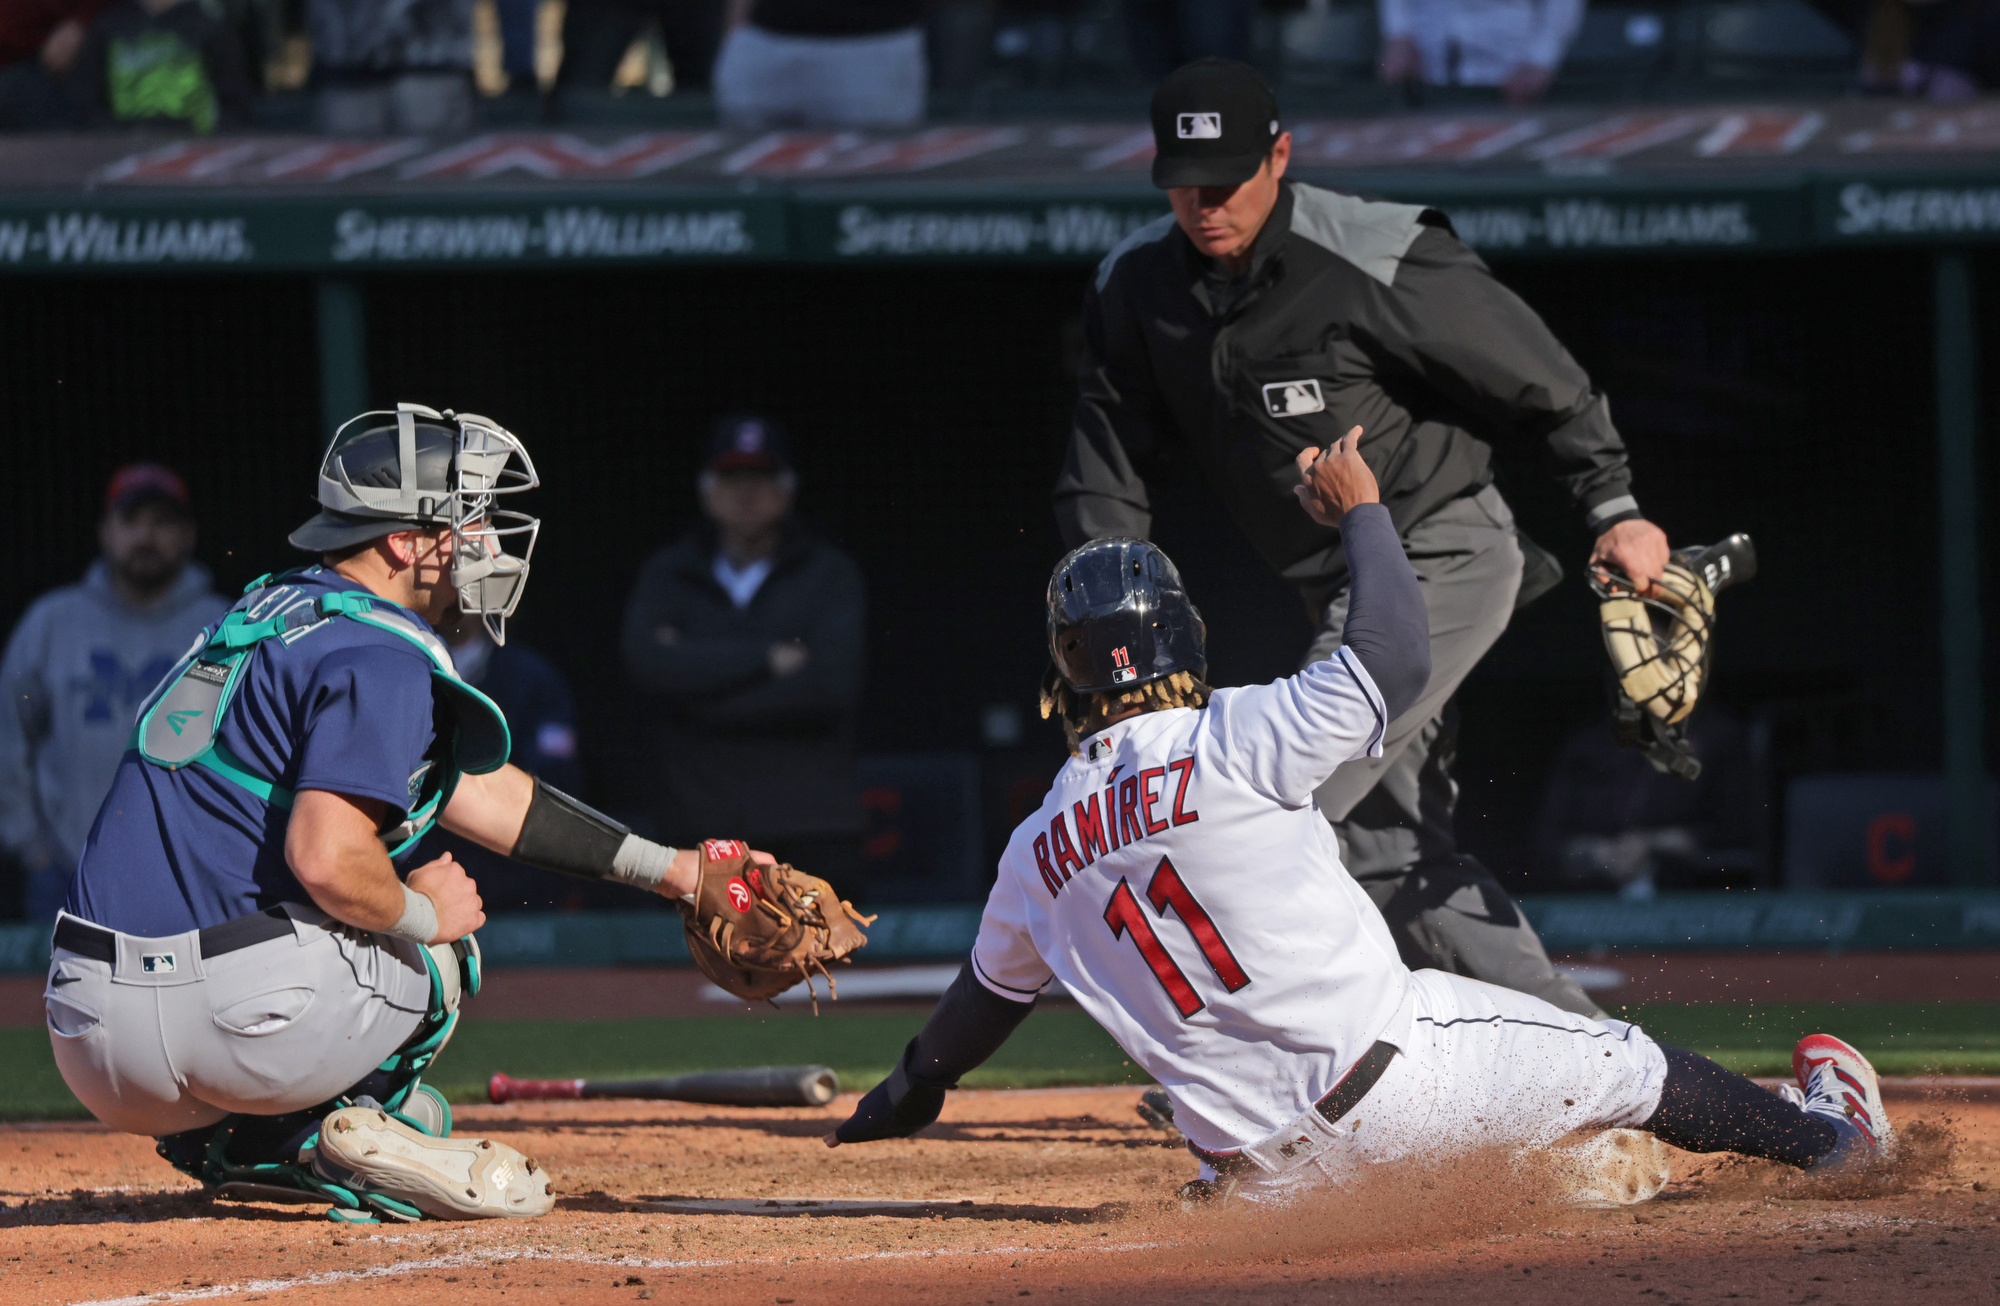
(454, 972)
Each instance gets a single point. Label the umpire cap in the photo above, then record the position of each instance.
(1214, 123)
(1119, 618)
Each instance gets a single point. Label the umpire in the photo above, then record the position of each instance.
(1263, 317)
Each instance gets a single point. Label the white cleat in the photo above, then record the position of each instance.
(369, 1151)
(1619, 1167)
(1838, 1084)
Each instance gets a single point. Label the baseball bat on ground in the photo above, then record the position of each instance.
(755, 1086)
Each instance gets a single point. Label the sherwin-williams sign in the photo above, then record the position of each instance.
(349, 233)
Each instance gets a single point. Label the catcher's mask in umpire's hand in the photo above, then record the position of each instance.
(1119, 617)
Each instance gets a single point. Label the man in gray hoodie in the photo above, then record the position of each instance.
(78, 665)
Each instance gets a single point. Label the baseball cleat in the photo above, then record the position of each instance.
(1618, 1167)
(374, 1154)
(1839, 1085)
(1157, 1110)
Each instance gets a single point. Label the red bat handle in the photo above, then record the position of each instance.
(500, 1088)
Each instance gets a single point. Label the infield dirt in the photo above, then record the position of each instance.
(1071, 1202)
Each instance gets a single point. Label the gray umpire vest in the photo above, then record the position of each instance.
(179, 724)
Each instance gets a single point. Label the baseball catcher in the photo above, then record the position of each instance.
(1661, 638)
(243, 969)
(1181, 885)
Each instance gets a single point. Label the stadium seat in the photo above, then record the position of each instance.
(1620, 52)
(1774, 41)
(1326, 44)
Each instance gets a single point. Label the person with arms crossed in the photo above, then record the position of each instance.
(1179, 883)
(241, 970)
(1262, 318)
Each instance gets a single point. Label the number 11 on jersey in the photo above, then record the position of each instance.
(1166, 889)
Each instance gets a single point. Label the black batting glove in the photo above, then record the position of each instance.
(895, 1108)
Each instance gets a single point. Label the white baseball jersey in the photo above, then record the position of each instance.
(1182, 885)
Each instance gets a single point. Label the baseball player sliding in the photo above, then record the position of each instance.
(239, 971)
(1180, 883)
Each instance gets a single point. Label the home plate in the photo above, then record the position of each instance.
(964, 1208)
(787, 1206)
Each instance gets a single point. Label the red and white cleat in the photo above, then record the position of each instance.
(1839, 1085)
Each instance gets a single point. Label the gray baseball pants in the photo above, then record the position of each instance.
(160, 1047)
(1393, 813)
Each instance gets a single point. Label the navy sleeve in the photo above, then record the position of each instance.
(1387, 628)
(968, 1026)
(367, 724)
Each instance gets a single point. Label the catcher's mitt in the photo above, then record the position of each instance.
(757, 931)
(1660, 645)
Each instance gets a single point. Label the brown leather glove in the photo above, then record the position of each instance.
(759, 930)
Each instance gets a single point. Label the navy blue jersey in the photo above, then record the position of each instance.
(338, 705)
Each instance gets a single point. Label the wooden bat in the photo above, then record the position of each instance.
(754, 1086)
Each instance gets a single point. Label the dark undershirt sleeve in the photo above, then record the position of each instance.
(968, 1026)
(1387, 628)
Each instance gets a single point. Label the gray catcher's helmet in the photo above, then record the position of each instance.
(418, 468)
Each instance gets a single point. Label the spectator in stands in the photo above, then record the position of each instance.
(518, 21)
(1513, 45)
(161, 63)
(541, 715)
(597, 33)
(78, 665)
(1610, 820)
(39, 40)
(1165, 34)
(823, 63)
(391, 65)
(750, 630)
(1932, 49)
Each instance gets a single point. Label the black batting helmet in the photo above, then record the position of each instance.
(1119, 617)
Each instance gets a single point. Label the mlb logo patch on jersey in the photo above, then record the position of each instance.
(158, 963)
(1099, 747)
(1294, 398)
(1198, 126)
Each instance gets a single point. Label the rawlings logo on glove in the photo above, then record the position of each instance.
(759, 930)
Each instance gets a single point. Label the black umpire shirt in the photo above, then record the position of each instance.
(1352, 312)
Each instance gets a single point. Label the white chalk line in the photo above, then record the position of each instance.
(459, 1260)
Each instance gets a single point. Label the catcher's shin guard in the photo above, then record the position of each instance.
(378, 1157)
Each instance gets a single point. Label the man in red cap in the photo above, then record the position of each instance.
(78, 665)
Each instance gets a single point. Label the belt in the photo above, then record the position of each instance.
(1346, 1095)
(99, 944)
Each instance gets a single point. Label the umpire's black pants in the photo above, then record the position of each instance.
(1393, 813)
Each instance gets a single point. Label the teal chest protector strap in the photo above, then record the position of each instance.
(180, 726)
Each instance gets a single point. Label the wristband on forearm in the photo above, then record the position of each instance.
(563, 835)
(419, 921)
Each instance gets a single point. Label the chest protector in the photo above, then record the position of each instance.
(180, 724)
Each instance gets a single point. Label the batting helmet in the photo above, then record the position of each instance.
(1119, 617)
(419, 468)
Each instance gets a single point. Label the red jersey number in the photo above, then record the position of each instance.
(1167, 889)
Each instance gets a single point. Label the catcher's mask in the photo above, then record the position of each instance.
(1119, 617)
(421, 468)
(1661, 645)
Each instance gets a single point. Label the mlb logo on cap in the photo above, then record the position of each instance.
(1199, 127)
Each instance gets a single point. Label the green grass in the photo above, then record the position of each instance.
(1900, 1038)
(1059, 1045)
